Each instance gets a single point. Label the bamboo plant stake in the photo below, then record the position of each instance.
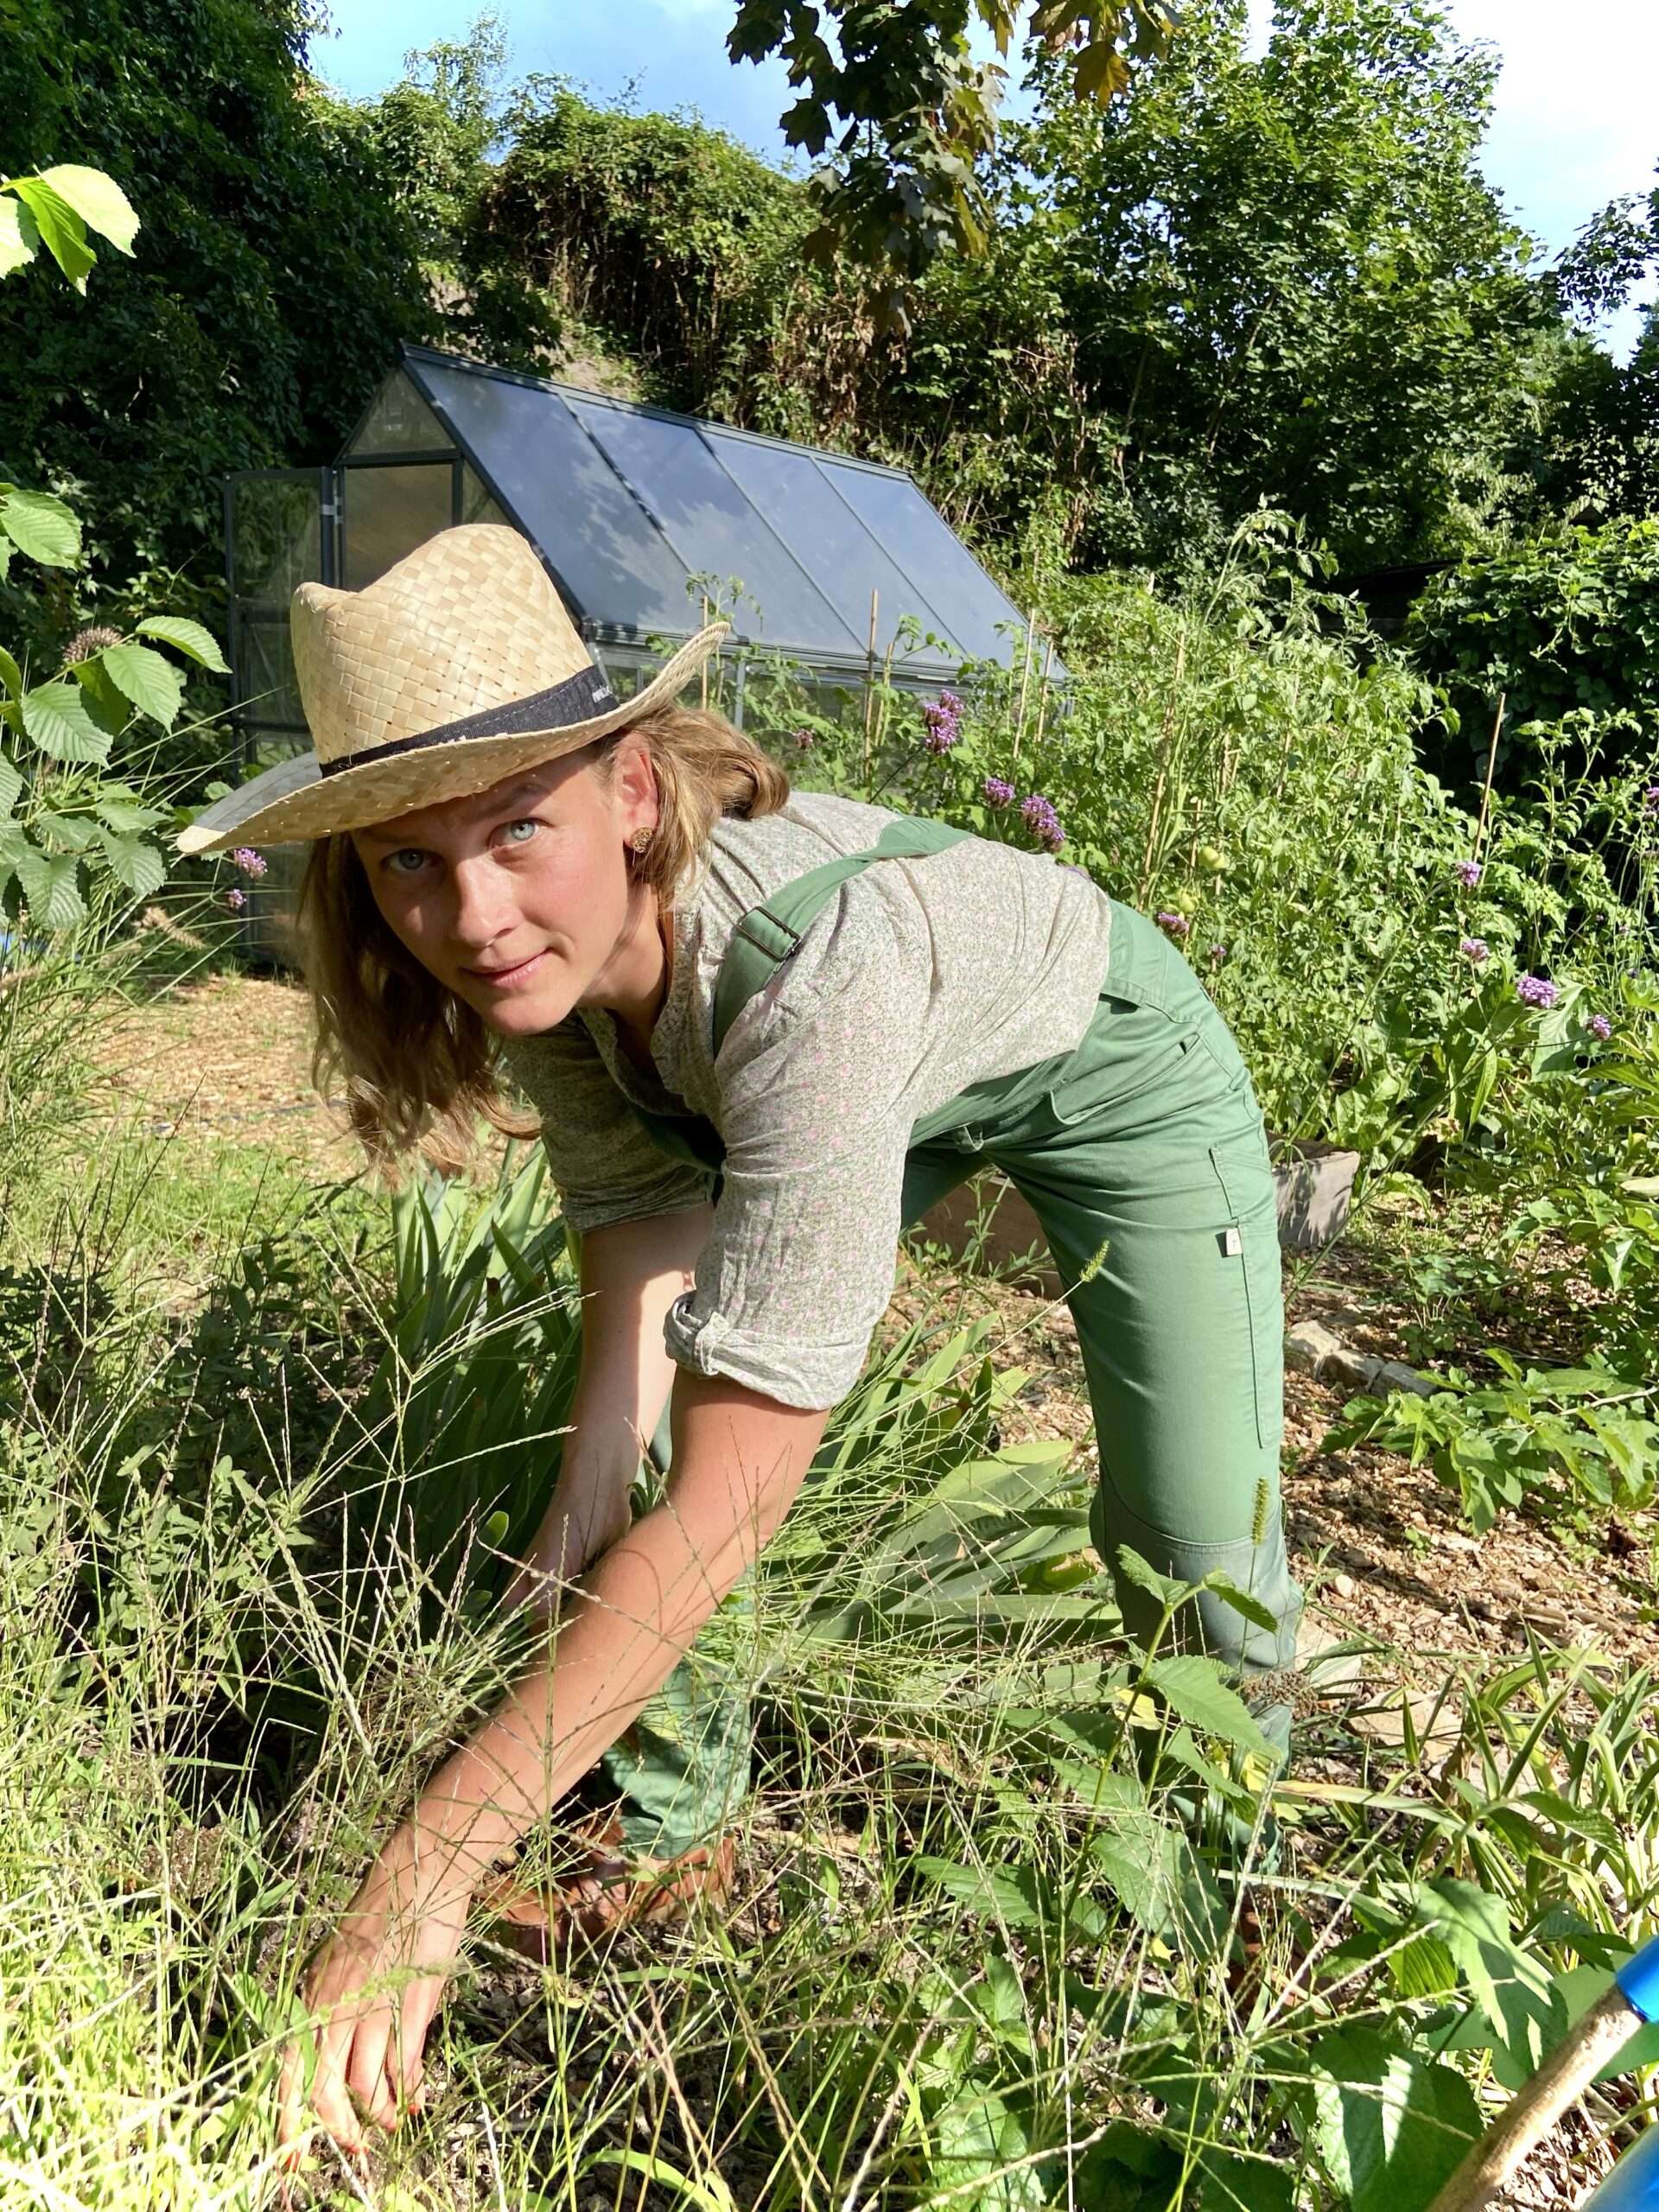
(703, 671)
(1042, 695)
(1491, 763)
(1024, 684)
(1560, 2081)
(869, 681)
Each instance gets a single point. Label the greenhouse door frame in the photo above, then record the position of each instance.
(325, 482)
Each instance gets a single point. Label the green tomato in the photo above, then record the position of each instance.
(1212, 860)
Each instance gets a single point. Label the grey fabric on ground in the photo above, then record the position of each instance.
(919, 978)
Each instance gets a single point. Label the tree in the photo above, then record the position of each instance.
(916, 112)
(267, 286)
(1288, 280)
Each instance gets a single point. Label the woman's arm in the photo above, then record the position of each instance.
(631, 1273)
(738, 1460)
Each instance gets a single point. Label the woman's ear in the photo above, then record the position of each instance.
(635, 783)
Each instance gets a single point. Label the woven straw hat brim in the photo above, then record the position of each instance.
(294, 801)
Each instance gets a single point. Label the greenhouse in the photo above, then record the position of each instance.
(646, 520)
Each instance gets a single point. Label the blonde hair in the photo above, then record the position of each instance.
(416, 1066)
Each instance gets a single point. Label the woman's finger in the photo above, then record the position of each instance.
(366, 2065)
(329, 2099)
(404, 2064)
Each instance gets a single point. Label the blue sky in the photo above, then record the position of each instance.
(1576, 120)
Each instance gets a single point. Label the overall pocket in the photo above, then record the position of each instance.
(1130, 1048)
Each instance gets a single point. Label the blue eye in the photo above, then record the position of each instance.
(407, 853)
(527, 823)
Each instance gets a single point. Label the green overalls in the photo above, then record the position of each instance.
(1146, 1137)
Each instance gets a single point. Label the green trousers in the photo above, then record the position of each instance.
(1146, 1140)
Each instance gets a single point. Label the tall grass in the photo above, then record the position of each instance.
(1016, 1928)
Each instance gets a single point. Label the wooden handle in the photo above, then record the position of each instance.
(1560, 2081)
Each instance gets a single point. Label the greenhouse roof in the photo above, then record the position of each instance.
(638, 513)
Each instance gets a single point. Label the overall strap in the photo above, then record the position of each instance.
(768, 934)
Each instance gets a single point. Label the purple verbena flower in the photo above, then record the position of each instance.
(1467, 873)
(1601, 1027)
(1537, 990)
(1217, 954)
(1038, 812)
(943, 723)
(236, 899)
(997, 792)
(1475, 948)
(248, 861)
(803, 740)
(1173, 923)
(1650, 799)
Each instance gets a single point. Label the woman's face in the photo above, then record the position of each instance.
(519, 900)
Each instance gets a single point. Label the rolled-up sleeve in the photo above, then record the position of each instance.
(606, 1167)
(816, 1081)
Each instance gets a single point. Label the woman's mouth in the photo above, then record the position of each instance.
(507, 979)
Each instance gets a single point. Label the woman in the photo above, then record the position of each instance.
(509, 866)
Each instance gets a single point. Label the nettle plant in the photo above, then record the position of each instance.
(65, 823)
(68, 828)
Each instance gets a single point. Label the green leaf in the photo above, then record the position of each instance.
(1192, 1687)
(62, 233)
(97, 199)
(977, 2137)
(50, 888)
(61, 833)
(11, 785)
(1021, 1900)
(109, 707)
(137, 865)
(1241, 1600)
(123, 810)
(1390, 2127)
(42, 527)
(153, 684)
(1141, 1571)
(189, 637)
(19, 235)
(55, 716)
(1515, 1992)
(10, 672)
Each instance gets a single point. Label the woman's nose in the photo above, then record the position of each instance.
(483, 906)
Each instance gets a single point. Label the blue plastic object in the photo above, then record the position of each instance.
(1639, 1979)
(1633, 2185)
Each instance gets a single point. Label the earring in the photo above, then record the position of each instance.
(639, 840)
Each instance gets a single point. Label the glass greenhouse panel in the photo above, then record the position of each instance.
(276, 535)
(268, 696)
(569, 501)
(924, 544)
(714, 528)
(478, 502)
(387, 513)
(400, 421)
(796, 494)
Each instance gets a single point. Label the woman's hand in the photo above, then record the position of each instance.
(377, 1983)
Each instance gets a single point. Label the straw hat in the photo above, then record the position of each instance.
(457, 667)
